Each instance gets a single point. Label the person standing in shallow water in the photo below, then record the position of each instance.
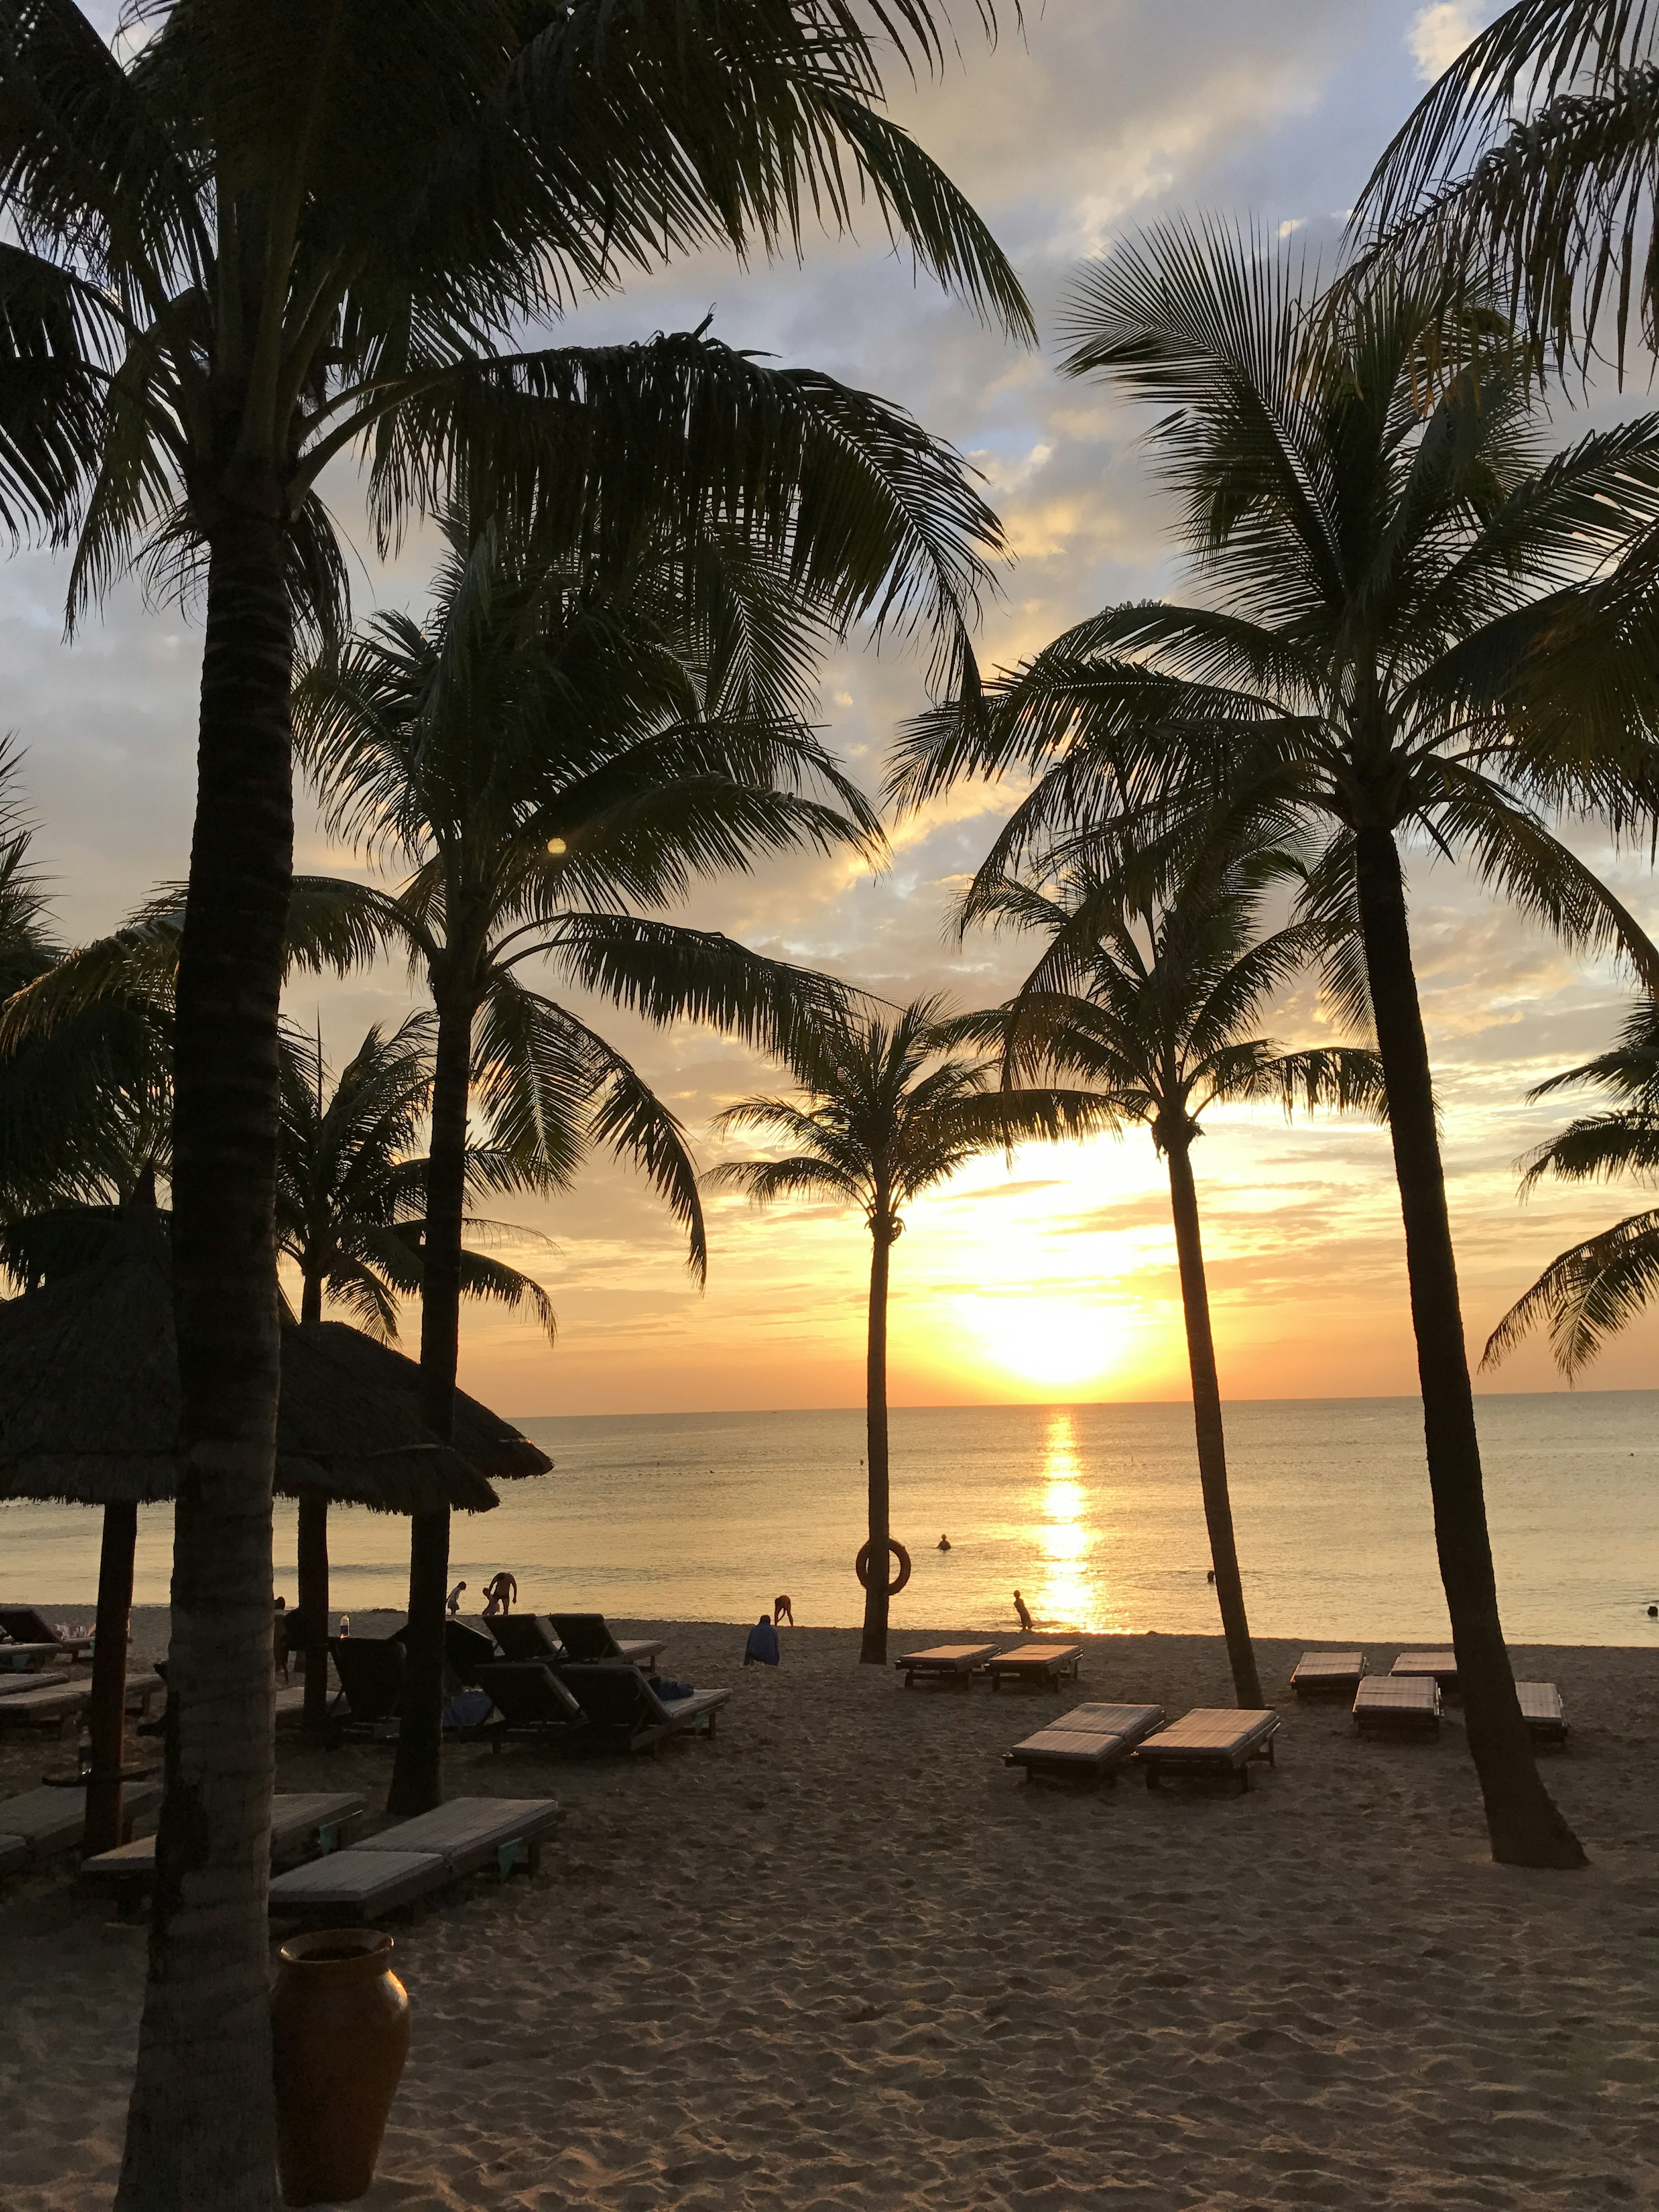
(782, 1611)
(1024, 1611)
(501, 1593)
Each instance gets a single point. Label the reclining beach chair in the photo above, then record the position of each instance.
(371, 1672)
(304, 1824)
(532, 1700)
(56, 1701)
(416, 1858)
(1328, 1674)
(42, 1821)
(952, 1664)
(1397, 1705)
(1442, 1665)
(27, 1624)
(624, 1713)
(1044, 1666)
(525, 1637)
(1540, 1709)
(29, 1658)
(586, 1639)
(1085, 1745)
(1210, 1741)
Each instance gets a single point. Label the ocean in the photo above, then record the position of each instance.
(1091, 1511)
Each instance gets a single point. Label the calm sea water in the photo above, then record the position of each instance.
(1092, 1511)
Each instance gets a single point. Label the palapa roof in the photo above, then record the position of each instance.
(90, 1402)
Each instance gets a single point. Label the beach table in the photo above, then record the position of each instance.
(1324, 1673)
(1397, 1705)
(304, 1823)
(953, 1664)
(1442, 1665)
(417, 1857)
(1045, 1665)
(60, 1701)
(1208, 1740)
(1540, 1709)
(1085, 1745)
(52, 1819)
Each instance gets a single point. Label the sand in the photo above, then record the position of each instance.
(841, 1957)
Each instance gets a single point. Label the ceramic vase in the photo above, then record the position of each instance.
(339, 2021)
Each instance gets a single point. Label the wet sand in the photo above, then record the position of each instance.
(841, 1957)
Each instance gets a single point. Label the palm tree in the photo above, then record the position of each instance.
(351, 1214)
(263, 239)
(546, 757)
(887, 1115)
(1404, 634)
(1148, 1000)
(1590, 1292)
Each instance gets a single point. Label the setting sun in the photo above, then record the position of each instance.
(1050, 1341)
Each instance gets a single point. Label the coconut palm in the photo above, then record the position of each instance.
(887, 1113)
(257, 242)
(1590, 1292)
(1147, 1000)
(350, 1215)
(1416, 626)
(546, 755)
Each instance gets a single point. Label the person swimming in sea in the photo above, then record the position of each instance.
(1024, 1611)
(944, 1543)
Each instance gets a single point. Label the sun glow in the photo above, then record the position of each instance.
(1047, 1340)
(1068, 1596)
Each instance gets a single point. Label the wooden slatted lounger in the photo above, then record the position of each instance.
(1393, 1704)
(304, 1823)
(1211, 1740)
(1442, 1665)
(532, 1702)
(585, 1637)
(624, 1713)
(1540, 1709)
(417, 1857)
(27, 1624)
(47, 1819)
(1085, 1745)
(60, 1701)
(1047, 1665)
(1323, 1674)
(952, 1664)
(29, 1658)
(13, 1854)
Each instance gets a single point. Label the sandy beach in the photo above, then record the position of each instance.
(841, 1957)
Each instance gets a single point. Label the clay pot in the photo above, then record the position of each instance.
(339, 2020)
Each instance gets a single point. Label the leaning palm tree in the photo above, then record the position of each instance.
(1590, 1292)
(887, 1113)
(350, 1218)
(263, 239)
(1416, 626)
(547, 754)
(1148, 1000)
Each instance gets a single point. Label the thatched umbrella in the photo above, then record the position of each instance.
(89, 1416)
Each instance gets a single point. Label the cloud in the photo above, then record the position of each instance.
(1438, 34)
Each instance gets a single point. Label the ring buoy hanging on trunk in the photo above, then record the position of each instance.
(861, 1566)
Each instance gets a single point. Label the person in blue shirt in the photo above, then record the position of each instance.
(762, 1649)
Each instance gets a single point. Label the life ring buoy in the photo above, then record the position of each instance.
(861, 1566)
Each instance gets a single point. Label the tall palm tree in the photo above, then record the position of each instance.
(1148, 1000)
(887, 1113)
(1416, 625)
(262, 239)
(350, 1216)
(1590, 1292)
(547, 755)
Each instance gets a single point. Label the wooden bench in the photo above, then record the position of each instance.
(1085, 1745)
(1328, 1674)
(1211, 1740)
(417, 1857)
(304, 1823)
(952, 1664)
(50, 1819)
(1540, 1709)
(1397, 1705)
(61, 1701)
(1044, 1665)
(1442, 1665)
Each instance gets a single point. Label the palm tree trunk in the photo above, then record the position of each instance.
(312, 1595)
(417, 1779)
(1522, 1818)
(107, 1707)
(204, 2040)
(1206, 1419)
(873, 1650)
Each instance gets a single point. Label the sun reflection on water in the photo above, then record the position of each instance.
(1067, 1597)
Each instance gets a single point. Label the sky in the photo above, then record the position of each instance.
(1053, 1280)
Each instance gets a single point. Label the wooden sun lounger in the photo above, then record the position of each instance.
(950, 1663)
(27, 1624)
(532, 1700)
(29, 1658)
(1210, 1740)
(1047, 1665)
(1085, 1745)
(417, 1857)
(1442, 1665)
(13, 1854)
(1394, 1704)
(585, 1639)
(49, 1820)
(60, 1701)
(624, 1713)
(1328, 1674)
(1540, 1709)
(13, 1685)
(304, 1824)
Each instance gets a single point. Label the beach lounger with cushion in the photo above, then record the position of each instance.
(371, 1672)
(952, 1664)
(1442, 1665)
(624, 1713)
(525, 1637)
(54, 1820)
(1085, 1745)
(27, 1624)
(417, 1857)
(1540, 1709)
(304, 1823)
(1210, 1740)
(1397, 1704)
(585, 1637)
(1328, 1674)
(1045, 1665)
(58, 1701)
(530, 1699)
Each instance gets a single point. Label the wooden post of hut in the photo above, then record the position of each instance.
(107, 1710)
